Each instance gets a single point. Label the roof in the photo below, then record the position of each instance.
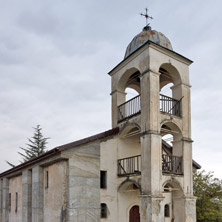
(148, 34)
(61, 148)
(149, 42)
(74, 144)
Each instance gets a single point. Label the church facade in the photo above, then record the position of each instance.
(130, 173)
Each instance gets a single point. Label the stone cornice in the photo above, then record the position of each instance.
(117, 91)
(186, 139)
(150, 132)
(149, 70)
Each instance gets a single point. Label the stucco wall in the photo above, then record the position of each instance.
(83, 183)
(118, 203)
(15, 185)
(55, 193)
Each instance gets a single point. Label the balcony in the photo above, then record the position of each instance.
(132, 107)
(172, 164)
(129, 108)
(170, 105)
(131, 166)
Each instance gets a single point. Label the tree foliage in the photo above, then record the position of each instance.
(35, 147)
(208, 191)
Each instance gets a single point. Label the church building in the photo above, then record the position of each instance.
(138, 171)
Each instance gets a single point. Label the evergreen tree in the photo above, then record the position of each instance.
(35, 147)
(208, 191)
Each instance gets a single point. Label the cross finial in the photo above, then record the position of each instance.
(146, 16)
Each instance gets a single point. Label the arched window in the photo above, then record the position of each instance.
(170, 99)
(167, 210)
(103, 208)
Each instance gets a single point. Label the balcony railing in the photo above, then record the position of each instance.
(172, 164)
(170, 105)
(129, 166)
(132, 165)
(133, 107)
(129, 108)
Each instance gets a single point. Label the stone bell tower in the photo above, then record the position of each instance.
(165, 171)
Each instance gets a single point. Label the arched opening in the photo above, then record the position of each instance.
(134, 214)
(129, 156)
(129, 85)
(170, 98)
(130, 93)
(167, 210)
(168, 203)
(172, 156)
(129, 185)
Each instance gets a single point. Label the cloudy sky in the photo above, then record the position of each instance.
(55, 56)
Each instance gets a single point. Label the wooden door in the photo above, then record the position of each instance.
(134, 214)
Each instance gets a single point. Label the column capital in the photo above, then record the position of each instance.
(148, 71)
(186, 139)
(181, 84)
(117, 91)
(148, 132)
(160, 196)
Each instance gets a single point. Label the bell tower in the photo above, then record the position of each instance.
(162, 122)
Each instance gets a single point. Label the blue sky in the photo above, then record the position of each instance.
(55, 56)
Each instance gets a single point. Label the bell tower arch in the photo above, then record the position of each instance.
(149, 66)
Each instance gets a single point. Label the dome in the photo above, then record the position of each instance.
(147, 34)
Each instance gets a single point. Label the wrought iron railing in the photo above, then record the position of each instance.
(129, 166)
(133, 107)
(129, 108)
(170, 105)
(172, 164)
(132, 165)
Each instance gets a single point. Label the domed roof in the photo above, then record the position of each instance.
(147, 34)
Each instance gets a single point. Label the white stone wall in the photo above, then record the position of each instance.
(83, 183)
(118, 203)
(55, 194)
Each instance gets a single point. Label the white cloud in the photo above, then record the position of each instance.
(55, 55)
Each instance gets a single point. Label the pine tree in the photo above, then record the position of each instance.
(35, 147)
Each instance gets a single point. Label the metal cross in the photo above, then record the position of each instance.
(146, 16)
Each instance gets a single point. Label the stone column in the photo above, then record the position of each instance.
(26, 196)
(118, 98)
(5, 195)
(190, 209)
(187, 166)
(37, 194)
(150, 101)
(182, 91)
(151, 149)
(150, 208)
(151, 169)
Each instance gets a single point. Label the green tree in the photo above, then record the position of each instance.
(35, 147)
(208, 191)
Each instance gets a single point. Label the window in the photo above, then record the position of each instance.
(167, 210)
(103, 213)
(103, 179)
(16, 202)
(47, 179)
(9, 202)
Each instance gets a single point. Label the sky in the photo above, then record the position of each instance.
(55, 56)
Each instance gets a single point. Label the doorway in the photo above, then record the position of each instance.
(134, 214)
